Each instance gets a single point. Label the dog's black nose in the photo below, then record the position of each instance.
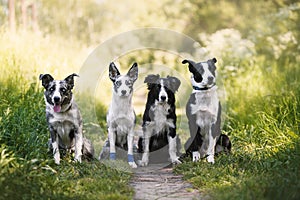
(210, 79)
(56, 99)
(123, 92)
(163, 98)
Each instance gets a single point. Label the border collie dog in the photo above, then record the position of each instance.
(121, 115)
(203, 111)
(159, 119)
(64, 119)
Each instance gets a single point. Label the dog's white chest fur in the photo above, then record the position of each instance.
(206, 107)
(160, 121)
(121, 115)
(64, 123)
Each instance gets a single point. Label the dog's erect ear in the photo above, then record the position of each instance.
(151, 80)
(174, 83)
(46, 79)
(214, 60)
(192, 65)
(70, 80)
(113, 72)
(133, 72)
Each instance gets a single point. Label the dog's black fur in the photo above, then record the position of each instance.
(159, 140)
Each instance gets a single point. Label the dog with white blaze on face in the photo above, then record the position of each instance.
(203, 111)
(121, 115)
(64, 119)
(159, 119)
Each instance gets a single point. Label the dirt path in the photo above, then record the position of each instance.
(159, 182)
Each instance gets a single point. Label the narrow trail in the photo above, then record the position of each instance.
(159, 182)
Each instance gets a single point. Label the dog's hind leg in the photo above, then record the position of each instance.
(88, 149)
(130, 149)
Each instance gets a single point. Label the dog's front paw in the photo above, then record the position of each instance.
(145, 160)
(78, 158)
(211, 159)
(57, 162)
(196, 156)
(176, 160)
(132, 164)
(57, 158)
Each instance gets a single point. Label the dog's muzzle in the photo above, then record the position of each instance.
(57, 106)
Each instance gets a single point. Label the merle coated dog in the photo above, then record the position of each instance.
(159, 119)
(203, 111)
(121, 115)
(64, 119)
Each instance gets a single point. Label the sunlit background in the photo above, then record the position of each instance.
(257, 47)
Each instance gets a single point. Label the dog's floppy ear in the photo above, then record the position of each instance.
(46, 79)
(151, 80)
(192, 65)
(214, 60)
(113, 72)
(174, 83)
(70, 80)
(133, 72)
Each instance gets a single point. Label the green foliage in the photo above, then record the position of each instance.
(42, 179)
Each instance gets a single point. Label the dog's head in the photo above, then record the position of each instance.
(203, 73)
(123, 84)
(162, 89)
(58, 93)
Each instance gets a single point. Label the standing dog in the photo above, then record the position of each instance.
(121, 115)
(203, 111)
(159, 119)
(64, 119)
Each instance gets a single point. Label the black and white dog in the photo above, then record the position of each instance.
(203, 111)
(64, 119)
(159, 119)
(121, 115)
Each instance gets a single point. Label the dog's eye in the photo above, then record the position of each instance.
(63, 90)
(51, 89)
(118, 83)
(128, 83)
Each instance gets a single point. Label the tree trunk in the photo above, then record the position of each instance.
(11, 16)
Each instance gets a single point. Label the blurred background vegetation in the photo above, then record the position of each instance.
(257, 47)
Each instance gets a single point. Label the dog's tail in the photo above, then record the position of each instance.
(88, 149)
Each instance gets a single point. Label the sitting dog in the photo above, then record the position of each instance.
(121, 115)
(64, 119)
(159, 119)
(203, 111)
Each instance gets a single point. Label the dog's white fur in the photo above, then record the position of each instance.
(206, 110)
(121, 116)
(206, 106)
(64, 122)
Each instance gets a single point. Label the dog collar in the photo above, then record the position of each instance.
(204, 88)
